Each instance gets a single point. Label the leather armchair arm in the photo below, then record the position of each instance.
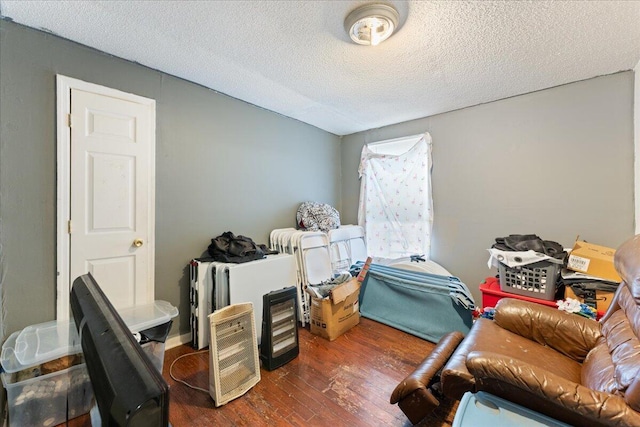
(547, 393)
(414, 395)
(423, 375)
(570, 334)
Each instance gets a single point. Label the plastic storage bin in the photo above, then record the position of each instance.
(53, 385)
(45, 376)
(484, 409)
(45, 342)
(537, 280)
(50, 399)
(152, 322)
(491, 294)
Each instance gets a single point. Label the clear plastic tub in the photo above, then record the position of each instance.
(155, 351)
(43, 366)
(40, 343)
(484, 409)
(54, 385)
(48, 400)
(148, 316)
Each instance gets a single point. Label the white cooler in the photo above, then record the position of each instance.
(44, 372)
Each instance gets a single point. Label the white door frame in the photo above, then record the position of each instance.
(64, 85)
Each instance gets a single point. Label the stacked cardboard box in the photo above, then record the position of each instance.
(334, 315)
(595, 262)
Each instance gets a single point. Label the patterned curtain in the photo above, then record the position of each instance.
(395, 208)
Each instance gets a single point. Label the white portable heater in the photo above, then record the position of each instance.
(233, 353)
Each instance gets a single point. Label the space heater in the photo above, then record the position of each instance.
(279, 328)
(233, 353)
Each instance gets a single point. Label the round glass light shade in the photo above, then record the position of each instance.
(371, 24)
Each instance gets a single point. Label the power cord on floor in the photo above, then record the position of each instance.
(182, 381)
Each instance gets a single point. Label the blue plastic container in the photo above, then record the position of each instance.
(486, 410)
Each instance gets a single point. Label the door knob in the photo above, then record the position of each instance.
(137, 243)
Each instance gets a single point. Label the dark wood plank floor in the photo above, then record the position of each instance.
(346, 382)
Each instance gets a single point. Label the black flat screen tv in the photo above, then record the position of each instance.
(129, 390)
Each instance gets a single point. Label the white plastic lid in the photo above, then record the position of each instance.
(36, 344)
(147, 316)
(9, 361)
(40, 343)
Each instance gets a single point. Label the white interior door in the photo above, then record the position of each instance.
(111, 197)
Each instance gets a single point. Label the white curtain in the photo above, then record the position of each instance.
(396, 208)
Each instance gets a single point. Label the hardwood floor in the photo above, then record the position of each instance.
(346, 382)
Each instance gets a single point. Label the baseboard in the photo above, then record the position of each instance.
(175, 341)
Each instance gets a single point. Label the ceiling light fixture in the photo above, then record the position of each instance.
(371, 24)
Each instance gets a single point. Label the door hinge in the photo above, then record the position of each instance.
(69, 226)
(69, 120)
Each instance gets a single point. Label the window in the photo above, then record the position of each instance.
(396, 208)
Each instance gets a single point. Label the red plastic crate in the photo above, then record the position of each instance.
(491, 294)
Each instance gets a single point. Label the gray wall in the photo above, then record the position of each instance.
(557, 163)
(221, 165)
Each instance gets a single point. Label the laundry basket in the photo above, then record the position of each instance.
(537, 280)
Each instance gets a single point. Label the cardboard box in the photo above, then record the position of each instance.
(594, 260)
(600, 300)
(336, 314)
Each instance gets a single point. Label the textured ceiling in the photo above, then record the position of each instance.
(294, 57)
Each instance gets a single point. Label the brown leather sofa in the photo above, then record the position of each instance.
(573, 369)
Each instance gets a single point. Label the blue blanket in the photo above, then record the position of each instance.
(426, 305)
